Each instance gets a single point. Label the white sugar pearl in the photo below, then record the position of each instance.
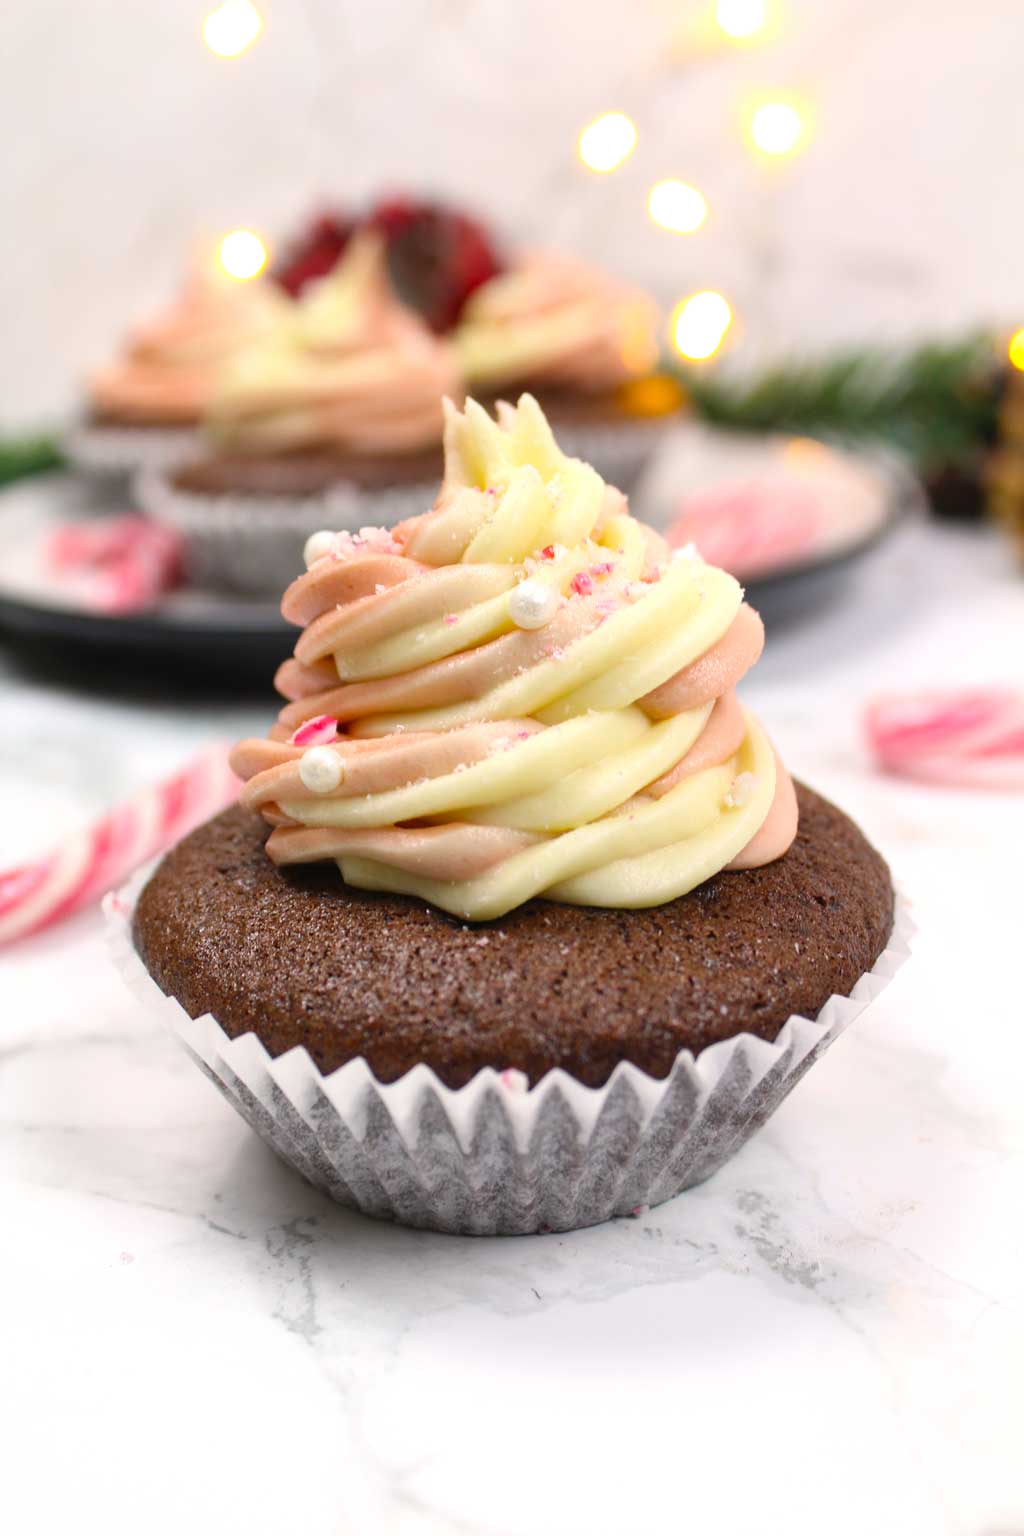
(316, 546)
(320, 770)
(533, 604)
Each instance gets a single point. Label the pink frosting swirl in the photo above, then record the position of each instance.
(557, 322)
(458, 711)
(170, 366)
(352, 370)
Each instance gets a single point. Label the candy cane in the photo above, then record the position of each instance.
(750, 526)
(116, 564)
(973, 738)
(90, 862)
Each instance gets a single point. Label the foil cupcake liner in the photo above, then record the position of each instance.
(253, 544)
(118, 453)
(496, 1157)
(619, 450)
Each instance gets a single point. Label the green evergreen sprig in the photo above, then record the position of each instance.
(936, 402)
(24, 456)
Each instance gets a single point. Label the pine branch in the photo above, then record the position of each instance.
(24, 456)
(937, 402)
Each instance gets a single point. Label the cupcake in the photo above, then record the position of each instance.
(335, 417)
(520, 922)
(585, 344)
(145, 407)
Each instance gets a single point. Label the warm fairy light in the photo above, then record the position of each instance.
(1015, 351)
(741, 19)
(699, 324)
(242, 254)
(779, 127)
(232, 27)
(677, 207)
(607, 141)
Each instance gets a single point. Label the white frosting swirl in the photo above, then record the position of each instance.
(557, 323)
(351, 369)
(597, 756)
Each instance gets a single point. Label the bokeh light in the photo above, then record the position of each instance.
(741, 19)
(699, 324)
(230, 29)
(779, 127)
(1015, 351)
(676, 206)
(607, 141)
(242, 254)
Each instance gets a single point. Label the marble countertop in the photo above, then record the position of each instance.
(828, 1335)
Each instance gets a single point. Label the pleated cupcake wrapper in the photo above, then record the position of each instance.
(495, 1157)
(254, 543)
(110, 452)
(619, 450)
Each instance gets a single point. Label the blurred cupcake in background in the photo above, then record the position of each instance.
(146, 405)
(585, 344)
(332, 419)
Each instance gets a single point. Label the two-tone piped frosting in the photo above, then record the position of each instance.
(170, 366)
(352, 370)
(520, 693)
(557, 323)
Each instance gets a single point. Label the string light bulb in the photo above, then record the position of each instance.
(242, 254)
(676, 206)
(229, 30)
(741, 20)
(1015, 351)
(607, 141)
(699, 324)
(779, 127)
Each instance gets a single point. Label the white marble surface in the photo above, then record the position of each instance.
(829, 1335)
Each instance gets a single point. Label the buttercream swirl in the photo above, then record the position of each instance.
(592, 752)
(169, 368)
(352, 369)
(555, 322)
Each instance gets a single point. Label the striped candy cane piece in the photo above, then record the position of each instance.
(973, 738)
(90, 862)
(750, 527)
(116, 564)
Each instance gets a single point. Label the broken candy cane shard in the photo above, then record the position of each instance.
(90, 862)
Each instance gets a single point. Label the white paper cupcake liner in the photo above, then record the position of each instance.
(254, 543)
(619, 450)
(117, 453)
(494, 1156)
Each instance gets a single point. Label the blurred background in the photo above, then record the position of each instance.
(894, 212)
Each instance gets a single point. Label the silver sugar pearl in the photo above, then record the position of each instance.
(532, 604)
(316, 546)
(320, 770)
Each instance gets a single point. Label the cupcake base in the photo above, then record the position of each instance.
(244, 520)
(400, 981)
(110, 450)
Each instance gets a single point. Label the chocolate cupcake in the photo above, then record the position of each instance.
(521, 922)
(333, 420)
(585, 345)
(145, 407)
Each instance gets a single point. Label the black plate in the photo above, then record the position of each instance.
(196, 637)
(207, 639)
